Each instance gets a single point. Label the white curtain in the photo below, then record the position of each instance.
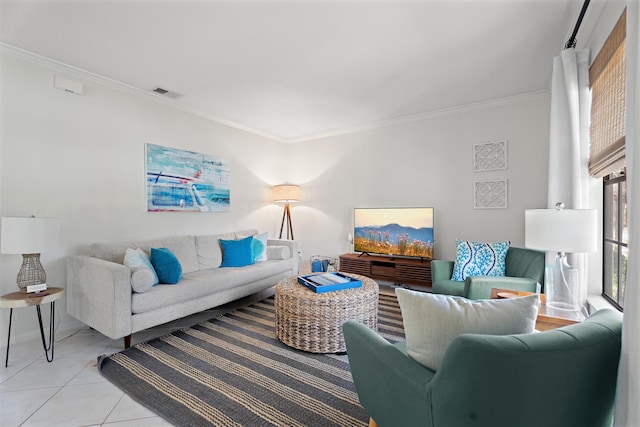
(628, 393)
(569, 141)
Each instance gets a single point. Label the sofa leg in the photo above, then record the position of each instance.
(127, 342)
(372, 423)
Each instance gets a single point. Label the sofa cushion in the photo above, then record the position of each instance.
(208, 249)
(245, 233)
(237, 253)
(166, 265)
(259, 247)
(431, 321)
(479, 259)
(183, 247)
(112, 252)
(206, 282)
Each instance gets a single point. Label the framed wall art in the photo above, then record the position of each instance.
(490, 156)
(185, 181)
(490, 194)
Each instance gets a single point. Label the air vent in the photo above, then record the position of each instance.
(167, 93)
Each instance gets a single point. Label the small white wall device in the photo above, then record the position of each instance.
(67, 85)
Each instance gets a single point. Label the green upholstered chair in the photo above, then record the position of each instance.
(562, 377)
(524, 270)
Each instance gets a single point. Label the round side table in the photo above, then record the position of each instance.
(19, 300)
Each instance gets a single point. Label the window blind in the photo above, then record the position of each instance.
(607, 77)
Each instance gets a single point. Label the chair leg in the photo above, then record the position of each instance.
(372, 423)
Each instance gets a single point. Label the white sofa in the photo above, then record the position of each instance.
(100, 294)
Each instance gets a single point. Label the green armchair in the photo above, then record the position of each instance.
(524, 270)
(563, 377)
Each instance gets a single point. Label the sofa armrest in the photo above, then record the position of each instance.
(99, 294)
(293, 246)
(479, 287)
(501, 385)
(391, 386)
(441, 270)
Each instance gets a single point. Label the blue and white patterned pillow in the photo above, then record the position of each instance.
(479, 259)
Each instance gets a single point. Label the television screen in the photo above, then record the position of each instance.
(394, 231)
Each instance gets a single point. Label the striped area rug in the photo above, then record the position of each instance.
(233, 371)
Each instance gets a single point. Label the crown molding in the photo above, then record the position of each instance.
(90, 77)
(460, 109)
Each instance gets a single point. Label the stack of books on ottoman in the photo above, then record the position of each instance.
(327, 282)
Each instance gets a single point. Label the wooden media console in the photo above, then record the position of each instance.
(410, 271)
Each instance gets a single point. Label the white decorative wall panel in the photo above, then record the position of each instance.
(490, 156)
(490, 194)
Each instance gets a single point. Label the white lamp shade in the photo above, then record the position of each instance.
(286, 193)
(23, 235)
(564, 230)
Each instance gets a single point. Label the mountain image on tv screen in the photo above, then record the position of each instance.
(394, 231)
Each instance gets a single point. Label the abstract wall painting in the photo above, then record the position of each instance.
(185, 181)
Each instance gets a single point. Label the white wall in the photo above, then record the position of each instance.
(81, 159)
(426, 162)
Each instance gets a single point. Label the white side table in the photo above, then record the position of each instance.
(19, 300)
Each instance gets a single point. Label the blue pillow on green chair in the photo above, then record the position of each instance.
(166, 265)
(237, 253)
(479, 259)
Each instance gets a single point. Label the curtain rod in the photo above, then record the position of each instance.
(571, 43)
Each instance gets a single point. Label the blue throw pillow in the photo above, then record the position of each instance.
(479, 259)
(237, 253)
(166, 265)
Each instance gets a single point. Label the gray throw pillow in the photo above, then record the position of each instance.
(278, 252)
(431, 321)
(141, 279)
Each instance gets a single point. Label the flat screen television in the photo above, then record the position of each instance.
(406, 232)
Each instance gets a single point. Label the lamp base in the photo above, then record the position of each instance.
(286, 217)
(561, 285)
(36, 288)
(31, 272)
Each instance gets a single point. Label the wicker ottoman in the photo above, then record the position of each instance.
(313, 322)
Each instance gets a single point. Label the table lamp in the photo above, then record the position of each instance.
(561, 230)
(288, 194)
(29, 236)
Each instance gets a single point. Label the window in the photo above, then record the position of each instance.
(607, 78)
(608, 81)
(616, 239)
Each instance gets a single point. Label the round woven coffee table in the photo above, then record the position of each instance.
(313, 322)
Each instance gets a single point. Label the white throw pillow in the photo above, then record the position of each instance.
(431, 321)
(259, 247)
(137, 259)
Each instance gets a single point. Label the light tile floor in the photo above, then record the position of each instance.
(70, 391)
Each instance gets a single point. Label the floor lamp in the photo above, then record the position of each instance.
(287, 194)
(561, 230)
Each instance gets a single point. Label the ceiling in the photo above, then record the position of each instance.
(295, 70)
